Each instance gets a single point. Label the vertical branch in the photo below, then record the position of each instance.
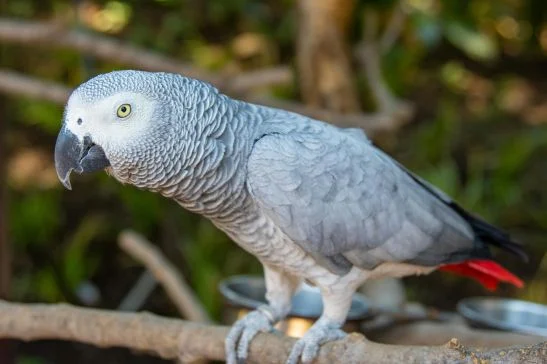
(369, 53)
(323, 62)
(370, 57)
(394, 27)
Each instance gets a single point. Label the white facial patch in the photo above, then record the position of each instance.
(101, 122)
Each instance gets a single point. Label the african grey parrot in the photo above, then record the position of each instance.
(310, 200)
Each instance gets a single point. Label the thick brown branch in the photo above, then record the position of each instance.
(166, 274)
(166, 338)
(324, 66)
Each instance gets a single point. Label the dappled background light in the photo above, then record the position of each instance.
(474, 73)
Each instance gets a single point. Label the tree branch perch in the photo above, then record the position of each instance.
(167, 338)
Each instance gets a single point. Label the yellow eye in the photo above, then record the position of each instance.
(124, 110)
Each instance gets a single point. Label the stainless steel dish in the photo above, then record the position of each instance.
(505, 314)
(245, 293)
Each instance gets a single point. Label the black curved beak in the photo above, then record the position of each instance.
(71, 154)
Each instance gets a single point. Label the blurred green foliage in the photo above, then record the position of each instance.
(457, 61)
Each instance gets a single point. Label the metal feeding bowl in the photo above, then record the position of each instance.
(505, 314)
(243, 294)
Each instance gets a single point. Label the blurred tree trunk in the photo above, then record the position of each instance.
(323, 62)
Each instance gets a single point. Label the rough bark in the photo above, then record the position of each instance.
(324, 67)
(167, 338)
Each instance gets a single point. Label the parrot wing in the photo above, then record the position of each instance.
(346, 203)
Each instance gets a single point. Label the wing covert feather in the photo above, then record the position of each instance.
(347, 203)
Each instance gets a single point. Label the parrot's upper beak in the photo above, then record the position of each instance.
(71, 154)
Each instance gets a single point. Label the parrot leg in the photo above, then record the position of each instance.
(327, 328)
(280, 288)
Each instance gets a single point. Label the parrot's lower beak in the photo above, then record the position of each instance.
(72, 154)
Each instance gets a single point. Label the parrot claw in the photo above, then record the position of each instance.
(307, 347)
(242, 333)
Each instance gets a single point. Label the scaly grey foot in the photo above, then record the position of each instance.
(307, 347)
(244, 330)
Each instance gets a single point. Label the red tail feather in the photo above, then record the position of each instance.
(487, 272)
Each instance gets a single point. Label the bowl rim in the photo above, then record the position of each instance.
(233, 298)
(477, 316)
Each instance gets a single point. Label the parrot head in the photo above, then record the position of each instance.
(135, 125)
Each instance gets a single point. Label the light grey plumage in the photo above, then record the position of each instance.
(347, 203)
(310, 200)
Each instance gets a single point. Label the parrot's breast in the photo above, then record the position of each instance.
(258, 234)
